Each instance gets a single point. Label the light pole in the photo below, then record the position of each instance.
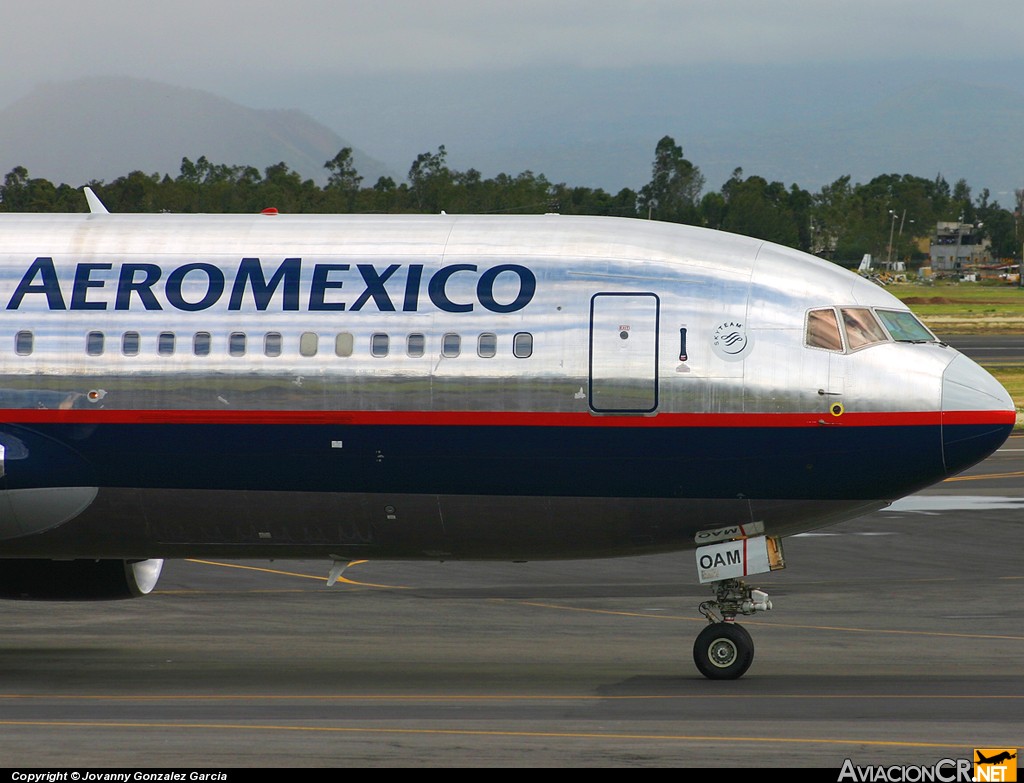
(892, 227)
(899, 236)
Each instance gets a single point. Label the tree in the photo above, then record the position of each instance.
(999, 225)
(343, 178)
(962, 207)
(592, 201)
(675, 186)
(20, 193)
(757, 208)
(430, 180)
(14, 193)
(831, 216)
(285, 190)
(800, 204)
(712, 210)
(134, 192)
(383, 195)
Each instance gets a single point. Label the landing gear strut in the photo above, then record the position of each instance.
(724, 650)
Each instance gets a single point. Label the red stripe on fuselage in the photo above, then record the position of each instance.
(503, 418)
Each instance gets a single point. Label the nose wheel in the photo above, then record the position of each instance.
(724, 650)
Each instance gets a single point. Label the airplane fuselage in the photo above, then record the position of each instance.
(451, 387)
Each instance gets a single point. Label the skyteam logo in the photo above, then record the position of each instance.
(731, 341)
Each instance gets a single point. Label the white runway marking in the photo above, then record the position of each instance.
(933, 503)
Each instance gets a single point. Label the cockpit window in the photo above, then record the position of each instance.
(823, 330)
(862, 328)
(904, 327)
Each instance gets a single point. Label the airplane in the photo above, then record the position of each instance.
(1004, 756)
(453, 387)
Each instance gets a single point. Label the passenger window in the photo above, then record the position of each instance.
(308, 343)
(272, 342)
(130, 343)
(379, 345)
(23, 343)
(236, 344)
(201, 344)
(522, 345)
(343, 344)
(165, 344)
(416, 344)
(487, 345)
(94, 343)
(451, 345)
(823, 330)
(861, 327)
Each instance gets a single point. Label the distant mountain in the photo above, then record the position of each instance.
(103, 128)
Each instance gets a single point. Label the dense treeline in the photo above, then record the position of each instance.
(842, 221)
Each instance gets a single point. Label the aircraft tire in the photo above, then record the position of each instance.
(723, 651)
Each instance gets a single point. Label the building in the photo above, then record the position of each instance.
(957, 248)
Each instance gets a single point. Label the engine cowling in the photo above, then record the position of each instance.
(77, 580)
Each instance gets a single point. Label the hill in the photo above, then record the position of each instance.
(102, 128)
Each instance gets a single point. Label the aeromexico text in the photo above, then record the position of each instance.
(455, 288)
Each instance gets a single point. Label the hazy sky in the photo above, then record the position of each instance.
(220, 43)
(571, 88)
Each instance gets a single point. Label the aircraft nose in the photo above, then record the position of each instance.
(977, 414)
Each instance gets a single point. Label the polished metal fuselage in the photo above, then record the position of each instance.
(654, 346)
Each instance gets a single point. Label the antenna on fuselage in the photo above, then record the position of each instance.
(95, 205)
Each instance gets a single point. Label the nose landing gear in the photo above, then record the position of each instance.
(724, 650)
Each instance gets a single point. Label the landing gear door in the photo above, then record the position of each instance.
(624, 352)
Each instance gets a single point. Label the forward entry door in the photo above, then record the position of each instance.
(624, 352)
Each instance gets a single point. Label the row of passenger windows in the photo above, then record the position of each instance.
(862, 326)
(381, 344)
